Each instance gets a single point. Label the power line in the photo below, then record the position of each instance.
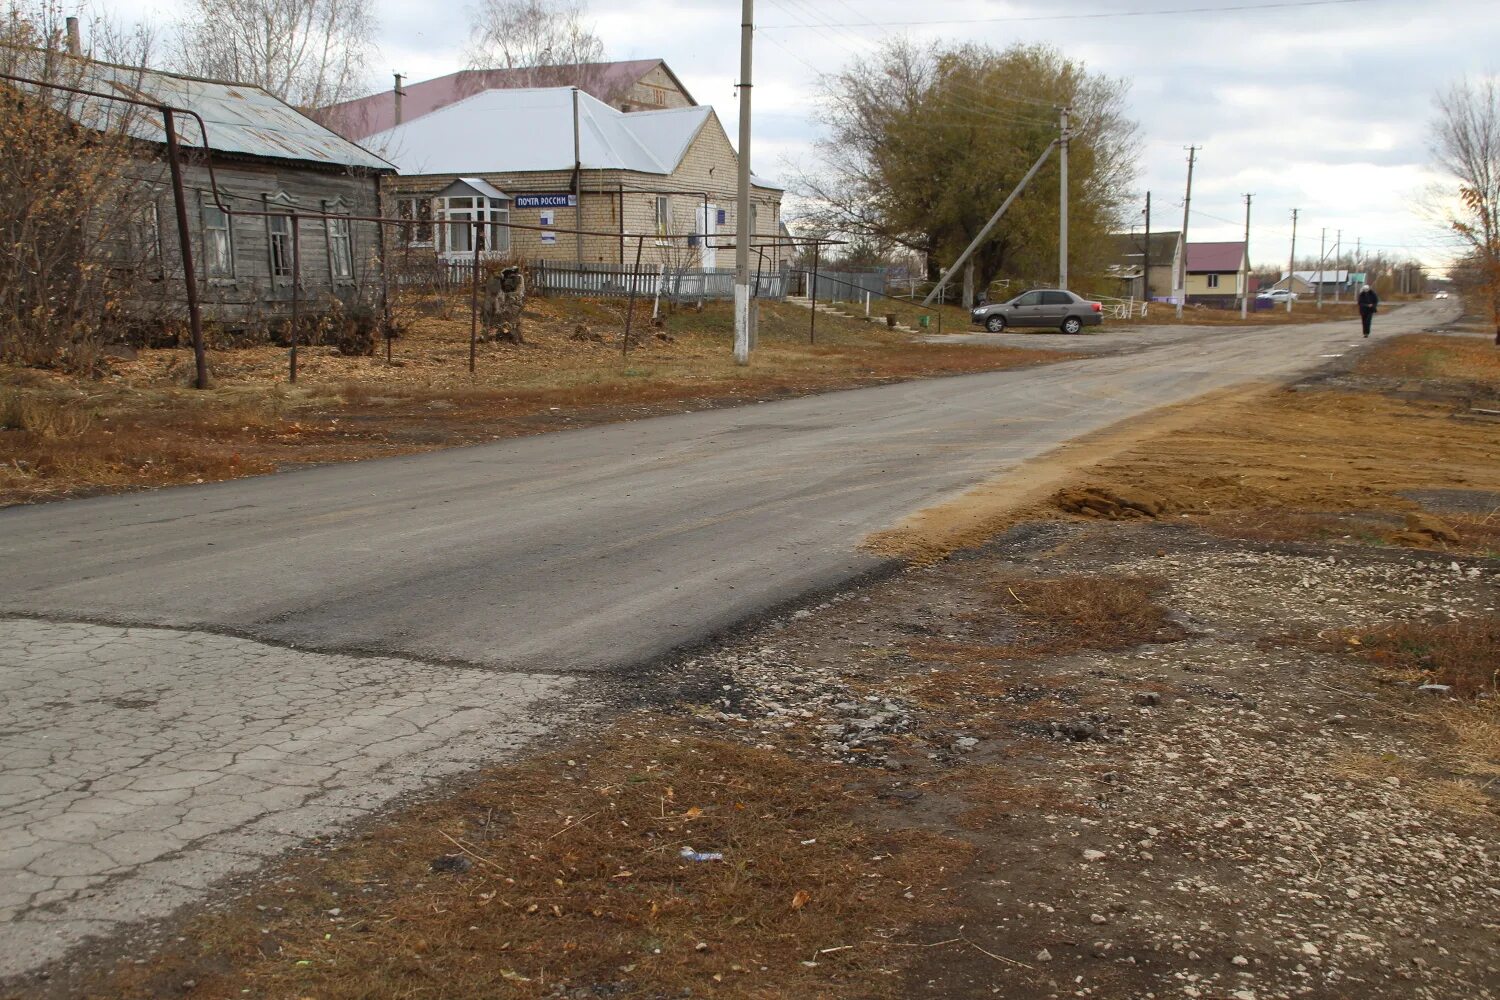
(979, 96)
(1095, 16)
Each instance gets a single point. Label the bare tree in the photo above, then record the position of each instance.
(547, 40)
(81, 250)
(1466, 144)
(309, 53)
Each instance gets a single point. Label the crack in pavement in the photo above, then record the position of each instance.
(170, 759)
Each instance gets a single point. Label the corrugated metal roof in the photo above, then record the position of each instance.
(365, 116)
(510, 131)
(240, 118)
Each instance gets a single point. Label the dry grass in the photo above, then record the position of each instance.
(1071, 614)
(1463, 796)
(1465, 359)
(1464, 654)
(574, 880)
(144, 428)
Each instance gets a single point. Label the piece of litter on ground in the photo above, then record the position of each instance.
(688, 854)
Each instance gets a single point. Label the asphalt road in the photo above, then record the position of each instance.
(601, 548)
(157, 733)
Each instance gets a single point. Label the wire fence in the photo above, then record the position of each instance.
(490, 280)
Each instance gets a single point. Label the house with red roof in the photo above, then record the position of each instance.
(1217, 273)
(629, 85)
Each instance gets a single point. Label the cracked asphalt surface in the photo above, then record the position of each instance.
(143, 765)
(437, 605)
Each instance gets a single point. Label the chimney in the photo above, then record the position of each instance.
(397, 94)
(75, 41)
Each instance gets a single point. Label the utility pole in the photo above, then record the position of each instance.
(742, 209)
(1062, 233)
(1146, 253)
(1291, 267)
(577, 181)
(1322, 257)
(1245, 265)
(1187, 202)
(1340, 272)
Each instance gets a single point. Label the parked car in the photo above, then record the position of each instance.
(1278, 295)
(1441, 295)
(1068, 312)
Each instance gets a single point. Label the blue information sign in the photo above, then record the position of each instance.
(545, 201)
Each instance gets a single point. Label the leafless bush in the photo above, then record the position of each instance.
(78, 229)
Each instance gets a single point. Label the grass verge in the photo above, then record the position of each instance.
(566, 873)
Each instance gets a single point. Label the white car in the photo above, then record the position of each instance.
(1278, 295)
(1441, 295)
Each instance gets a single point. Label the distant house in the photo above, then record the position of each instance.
(1216, 273)
(267, 157)
(1331, 281)
(651, 174)
(1129, 253)
(634, 85)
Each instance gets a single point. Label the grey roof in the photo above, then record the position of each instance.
(1329, 277)
(482, 187)
(240, 118)
(531, 130)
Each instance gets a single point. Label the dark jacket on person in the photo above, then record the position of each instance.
(1368, 300)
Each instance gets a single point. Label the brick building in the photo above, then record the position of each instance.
(507, 156)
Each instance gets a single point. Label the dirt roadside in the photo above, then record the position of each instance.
(1214, 716)
(140, 426)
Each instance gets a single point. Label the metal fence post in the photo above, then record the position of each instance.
(630, 302)
(474, 303)
(185, 243)
(296, 289)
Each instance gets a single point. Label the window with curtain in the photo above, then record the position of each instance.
(218, 241)
(340, 249)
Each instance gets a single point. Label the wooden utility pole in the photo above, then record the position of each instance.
(742, 334)
(1062, 232)
(1187, 202)
(1291, 267)
(1245, 264)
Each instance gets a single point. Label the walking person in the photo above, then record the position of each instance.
(1368, 303)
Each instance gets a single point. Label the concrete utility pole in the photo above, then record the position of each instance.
(742, 210)
(1187, 202)
(1146, 253)
(577, 180)
(1062, 232)
(1291, 267)
(1245, 265)
(974, 244)
(1322, 258)
(1340, 273)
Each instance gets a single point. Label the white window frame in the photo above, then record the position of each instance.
(494, 231)
(662, 221)
(1213, 281)
(218, 240)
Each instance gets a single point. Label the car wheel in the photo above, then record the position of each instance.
(995, 324)
(1072, 325)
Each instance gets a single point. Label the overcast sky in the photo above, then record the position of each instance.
(1322, 107)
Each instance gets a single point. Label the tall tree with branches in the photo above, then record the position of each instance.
(309, 53)
(549, 42)
(924, 143)
(1466, 144)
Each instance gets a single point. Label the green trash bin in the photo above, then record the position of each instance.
(925, 321)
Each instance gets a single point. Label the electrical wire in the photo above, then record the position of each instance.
(1092, 16)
